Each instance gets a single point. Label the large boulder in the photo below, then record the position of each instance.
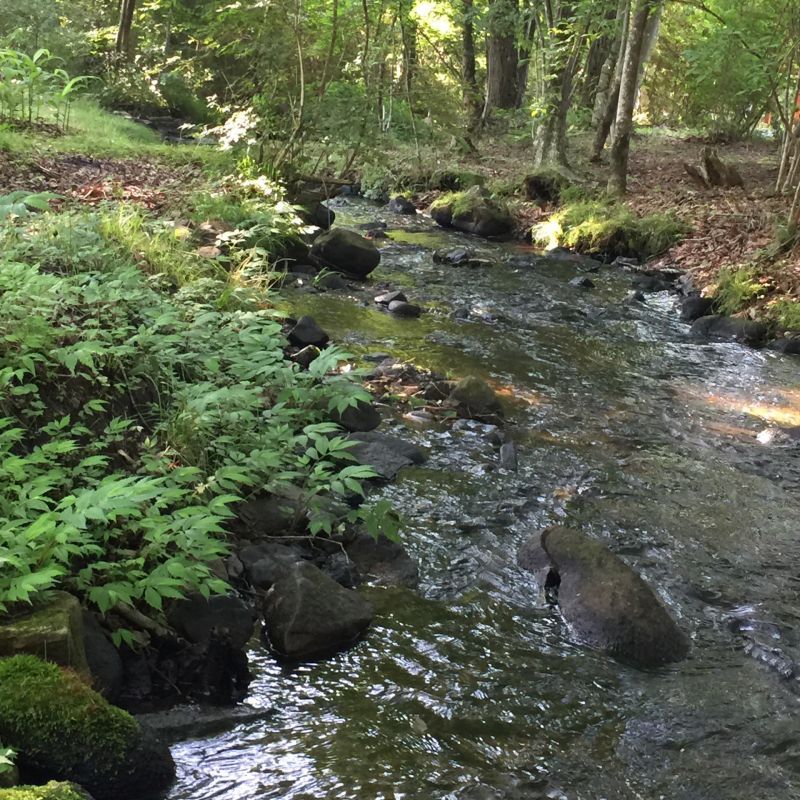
(605, 602)
(737, 329)
(473, 398)
(200, 619)
(471, 212)
(695, 306)
(62, 729)
(308, 614)
(346, 251)
(307, 332)
(363, 416)
(266, 562)
(53, 631)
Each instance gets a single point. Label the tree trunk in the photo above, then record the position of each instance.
(408, 32)
(623, 122)
(469, 81)
(605, 107)
(124, 44)
(550, 142)
(502, 57)
(602, 50)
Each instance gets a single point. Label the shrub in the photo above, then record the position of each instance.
(131, 421)
(736, 288)
(50, 791)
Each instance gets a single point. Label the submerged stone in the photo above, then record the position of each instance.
(475, 399)
(386, 454)
(383, 561)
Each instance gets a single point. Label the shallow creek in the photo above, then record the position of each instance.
(473, 689)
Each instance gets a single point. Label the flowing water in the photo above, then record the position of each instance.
(473, 688)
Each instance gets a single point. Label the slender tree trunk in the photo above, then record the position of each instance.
(469, 81)
(323, 83)
(124, 45)
(550, 143)
(606, 101)
(408, 32)
(524, 54)
(602, 51)
(623, 122)
(502, 57)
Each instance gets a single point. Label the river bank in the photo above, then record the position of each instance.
(615, 419)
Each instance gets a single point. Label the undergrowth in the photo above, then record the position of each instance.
(736, 288)
(605, 230)
(143, 393)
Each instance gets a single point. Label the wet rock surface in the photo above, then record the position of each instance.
(308, 614)
(731, 328)
(346, 251)
(386, 454)
(605, 602)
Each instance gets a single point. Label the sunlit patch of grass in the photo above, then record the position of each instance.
(95, 132)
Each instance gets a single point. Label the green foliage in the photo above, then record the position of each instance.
(608, 231)
(50, 791)
(7, 755)
(51, 714)
(786, 313)
(131, 421)
(736, 288)
(21, 203)
(28, 84)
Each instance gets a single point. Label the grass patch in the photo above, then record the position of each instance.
(786, 313)
(608, 231)
(99, 133)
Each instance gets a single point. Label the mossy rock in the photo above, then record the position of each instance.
(62, 729)
(472, 212)
(455, 180)
(545, 185)
(608, 231)
(52, 631)
(50, 791)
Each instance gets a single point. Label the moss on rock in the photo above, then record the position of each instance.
(472, 212)
(608, 231)
(50, 791)
(62, 729)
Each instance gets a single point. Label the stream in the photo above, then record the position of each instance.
(472, 688)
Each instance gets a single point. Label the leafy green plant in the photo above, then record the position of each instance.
(6, 759)
(736, 288)
(29, 83)
(131, 422)
(21, 203)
